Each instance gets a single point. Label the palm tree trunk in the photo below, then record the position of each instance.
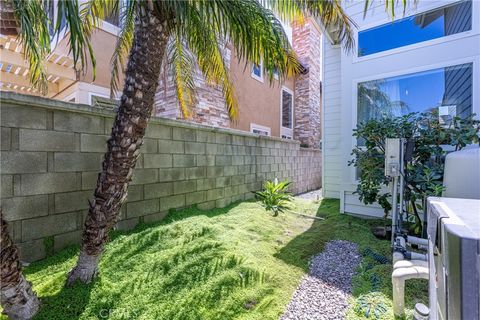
(141, 79)
(17, 297)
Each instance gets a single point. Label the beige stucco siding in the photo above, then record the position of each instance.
(259, 102)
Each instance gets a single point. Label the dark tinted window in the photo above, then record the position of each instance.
(287, 109)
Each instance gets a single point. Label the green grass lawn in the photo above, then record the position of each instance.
(233, 263)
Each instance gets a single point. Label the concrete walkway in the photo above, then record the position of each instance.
(311, 195)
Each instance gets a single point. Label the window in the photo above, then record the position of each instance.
(259, 129)
(101, 101)
(114, 17)
(51, 8)
(257, 71)
(429, 25)
(275, 73)
(286, 113)
(447, 90)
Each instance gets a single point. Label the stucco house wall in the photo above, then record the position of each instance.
(259, 100)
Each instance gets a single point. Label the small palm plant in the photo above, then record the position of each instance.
(274, 196)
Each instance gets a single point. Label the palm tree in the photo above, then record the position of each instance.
(17, 297)
(185, 32)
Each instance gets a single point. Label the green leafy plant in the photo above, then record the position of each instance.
(423, 172)
(274, 196)
(370, 306)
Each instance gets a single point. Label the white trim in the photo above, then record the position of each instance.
(70, 96)
(91, 94)
(108, 27)
(342, 201)
(254, 76)
(322, 109)
(61, 34)
(85, 90)
(425, 7)
(465, 34)
(276, 74)
(475, 60)
(254, 126)
(285, 130)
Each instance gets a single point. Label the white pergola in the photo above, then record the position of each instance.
(14, 69)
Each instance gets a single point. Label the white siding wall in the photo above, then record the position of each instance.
(343, 71)
(331, 121)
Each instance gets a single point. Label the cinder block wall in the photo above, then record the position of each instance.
(51, 154)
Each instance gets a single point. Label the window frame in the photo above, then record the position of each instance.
(475, 61)
(253, 75)
(55, 38)
(254, 126)
(276, 74)
(285, 130)
(92, 94)
(429, 7)
(70, 97)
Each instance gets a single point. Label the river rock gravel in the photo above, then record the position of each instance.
(324, 292)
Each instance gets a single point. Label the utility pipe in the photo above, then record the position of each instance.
(394, 210)
(402, 185)
(399, 275)
(397, 256)
(417, 241)
(410, 263)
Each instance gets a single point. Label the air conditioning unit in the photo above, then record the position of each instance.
(454, 258)
(461, 177)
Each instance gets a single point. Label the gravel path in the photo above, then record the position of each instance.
(323, 293)
(312, 195)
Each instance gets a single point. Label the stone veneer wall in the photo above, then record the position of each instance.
(307, 45)
(51, 156)
(210, 108)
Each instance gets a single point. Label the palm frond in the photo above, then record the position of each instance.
(35, 35)
(202, 41)
(212, 65)
(93, 11)
(124, 43)
(184, 69)
(79, 33)
(35, 39)
(253, 30)
(329, 12)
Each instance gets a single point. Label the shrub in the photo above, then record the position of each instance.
(424, 171)
(274, 196)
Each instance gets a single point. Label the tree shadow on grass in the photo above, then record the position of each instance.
(163, 270)
(68, 303)
(176, 215)
(48, 277)
(177, 271)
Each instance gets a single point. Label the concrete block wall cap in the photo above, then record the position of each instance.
(310, 149)
(47, 103)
